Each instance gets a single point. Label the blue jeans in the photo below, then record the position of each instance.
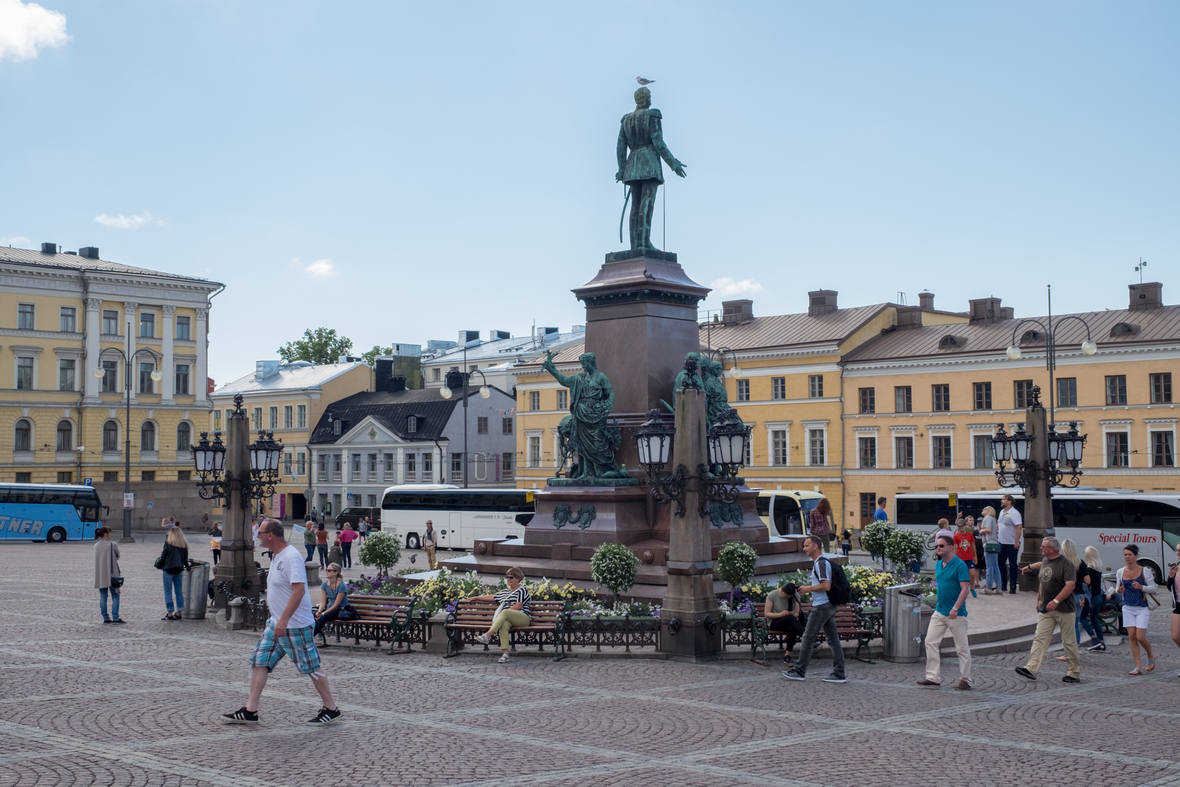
(1009, 555)
(323, 550)
(993, 569)
(346, 554)
(310, 552)
(102, 603)
(1093, 611)
(174, 583)
(1081, 620)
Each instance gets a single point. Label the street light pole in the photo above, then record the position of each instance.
(445, 392)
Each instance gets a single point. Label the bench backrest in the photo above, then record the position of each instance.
(480, 613)
(378, 607)
(845, 614)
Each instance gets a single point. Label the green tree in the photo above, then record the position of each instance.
(875, 537)
(614, 567)
(371, 356)
(736, 562)
(382, 550)
(322, 345)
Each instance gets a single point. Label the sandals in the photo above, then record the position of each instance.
(503, 659)
(483, 639)
(1135, 672)
(1150, 665)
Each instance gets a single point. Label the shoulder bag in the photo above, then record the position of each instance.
(116, 582)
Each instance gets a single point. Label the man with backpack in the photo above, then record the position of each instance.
(828, 589)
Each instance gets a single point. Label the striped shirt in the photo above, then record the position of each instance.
(506, 598)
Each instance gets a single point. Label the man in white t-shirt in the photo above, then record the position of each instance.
(288, 631)
(1010, 527)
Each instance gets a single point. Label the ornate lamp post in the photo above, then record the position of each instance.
(456, 379)
(237, 472)
(156, 377)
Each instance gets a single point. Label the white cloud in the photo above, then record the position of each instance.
(27, 27)
(20, 241)
(122, 222)
(727, 287)
(321, 269)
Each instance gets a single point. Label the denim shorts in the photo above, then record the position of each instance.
(299, 644)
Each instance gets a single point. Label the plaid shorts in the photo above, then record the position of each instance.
(299, 644)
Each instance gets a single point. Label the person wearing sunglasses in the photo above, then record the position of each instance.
(952, 584)
(335, 596)
(513, 611)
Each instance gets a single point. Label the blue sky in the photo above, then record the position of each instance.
(400, 171)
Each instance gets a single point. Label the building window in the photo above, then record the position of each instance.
(300, 463)
(182, 379)
(184, 437)
(287, 463)
(182, 328)
(1067, 392)
(184, 475)
(65, 477)
(109, 476)
(903, 400)
(436, 374)
(356, 468)
(68, 321)
(301, 416)
(1023, 394)
(563, 400)
(256, 419)
(984, 457)
(147, 475)
(868, 505)
(288, 416)
(748, 457)
(25, 478)
(24, 317)
(110, 322)
(903, 451)
(815, 446)
(388, 467)
(815, 386)
(868, 400)
(534, 400)
(1161, 388)
(506, 471)
(411, 468)
(146, 384)
(1163, 449)
(24, 374)
(337, 467)
(372, 468)
(866, 448)
(778, 387)
(411, 424)
(110, 436)
(505, 426)
(942, 451)
(147, 325)
(24, 435)
(778, 447)
(372, 501)
(481, 424)
(456, 467)
(147, 436)
(110, 376)
(1118, 452)
(322, 468)
(983, 396)
(66, 368)
(743, 390)
(427, 467)
(1116, 389)
(216, 420)
(942, 398)
(534, 450)
(273, 418)
(65, 436)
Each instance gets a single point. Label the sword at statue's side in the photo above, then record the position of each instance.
(626, 198)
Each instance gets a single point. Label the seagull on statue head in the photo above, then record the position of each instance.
(643, 81)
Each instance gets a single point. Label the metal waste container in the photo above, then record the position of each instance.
(196, 590)
(902, 630)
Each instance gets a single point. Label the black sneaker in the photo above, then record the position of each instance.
(118, 620)
(1097, 648)
(835, 679)
(792, 675)
(1025, 672)
(240, 716)
(1071, 679)
(325, 716)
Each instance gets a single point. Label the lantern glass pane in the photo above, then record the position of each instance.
(643, 446)
(663, 447)
(737, 448)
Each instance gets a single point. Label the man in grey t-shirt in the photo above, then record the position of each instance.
(823, 615)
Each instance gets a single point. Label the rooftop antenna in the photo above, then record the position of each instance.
(901, 299)
(1139, 269)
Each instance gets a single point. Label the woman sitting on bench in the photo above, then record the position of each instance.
(513, 611)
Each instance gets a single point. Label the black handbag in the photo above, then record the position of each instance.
(116, 582)
(347, 612)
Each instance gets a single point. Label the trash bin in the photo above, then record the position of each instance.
(902, 631)
(196, 590)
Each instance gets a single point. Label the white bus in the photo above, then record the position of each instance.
(460, 516)
(1106, 519)
(786, 512)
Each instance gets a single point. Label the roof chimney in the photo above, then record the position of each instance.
(49, 248)
(1007, 313)
(985, 310)
(926, 301)
(1149, 295)
(89, 252)
(909, 317)
(737, 312)
(821, 302)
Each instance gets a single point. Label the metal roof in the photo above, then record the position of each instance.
(288, 378)
(1151, 325)
(505, 350)
(390, 409)
(78, 263)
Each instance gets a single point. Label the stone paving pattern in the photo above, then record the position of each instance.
(84, 703)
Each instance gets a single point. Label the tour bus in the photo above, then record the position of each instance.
(460, 516)
(1106, 519)
(786, 511)
(48, 512)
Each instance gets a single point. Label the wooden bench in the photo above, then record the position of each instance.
(380, 618)
(472, 618)
(850, 625)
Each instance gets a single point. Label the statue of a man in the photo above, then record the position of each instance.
(716, 397)
(591, 400)
(641, 169)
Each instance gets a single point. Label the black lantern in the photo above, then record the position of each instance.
(727, 443)
(264, 454)
(654, 442)
(1070, 446)
(1021, 444)
(1001, 445)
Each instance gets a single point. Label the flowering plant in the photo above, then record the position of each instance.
(614, 567)
(382, 550)
(875, 538)
(736, 562)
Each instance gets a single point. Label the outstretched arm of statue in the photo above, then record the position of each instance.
(621, 153)
(548, 366)
(657, 141)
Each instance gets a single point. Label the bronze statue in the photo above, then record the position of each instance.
(641, 169)
(716, 397)
(591, 400)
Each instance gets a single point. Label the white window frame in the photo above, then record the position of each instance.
(808, 426)
(981, 432)
(939, 431)
(1159, 425)
(863, 433)
(61, 314)
(528, 447)
(771, 428)
(1123, 425)
(139, 323)
(895, 432)
(188, 324)
(288, 416)
(26, 352)
(189, 390)
(301, 416)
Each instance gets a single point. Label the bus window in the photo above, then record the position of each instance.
(59, 497)
(1092, 512)
(922, 510)
(763, 506)
(1152, 514)
(524, 519)
(18, 495)
(809, 503)
(787, 520)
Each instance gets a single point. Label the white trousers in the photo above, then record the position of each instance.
(940, 625)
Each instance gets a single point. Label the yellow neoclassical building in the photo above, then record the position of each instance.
(64, 315)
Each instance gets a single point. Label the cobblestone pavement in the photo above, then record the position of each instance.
(89, 704)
